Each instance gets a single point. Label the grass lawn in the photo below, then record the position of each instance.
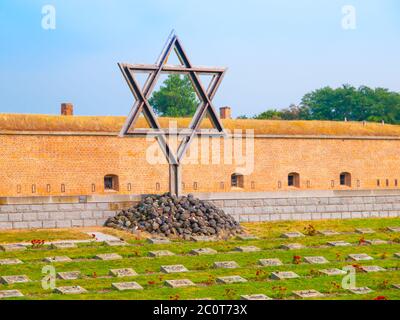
(96, 280)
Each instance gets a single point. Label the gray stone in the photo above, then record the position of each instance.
(57, 259)
(294, 234)
(369, 269)
(270, 262)
(292, 246)
(328, 233)
(161, 253)
(173, 268)
(376, 242)
(123, 286)
(245, 237)
(179, 283)
(108, 256)
(115, 243)
(339, 244)
(69, 275)
(225, 265)
(393, 229)
(203, 251)
(14, 279)
(12, 247)
(397, 255)
(364, 231)
(158, 240)
(281, 275)
(304, 294)
(100, 236)
(10, 261)
(396, 286)
(127, 272)
(255, 297)
(230, 279)
(247, 249)
(361, 290)
(5, 294)
(202, 238)
(63, 245)
(70, 290)
(316, 260)
(333, 272)
(359, 257)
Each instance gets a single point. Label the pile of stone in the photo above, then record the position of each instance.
(167, 215)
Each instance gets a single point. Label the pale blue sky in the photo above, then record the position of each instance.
(293, 47)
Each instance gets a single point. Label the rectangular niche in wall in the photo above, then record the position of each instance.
(158, 186)
(195, 185)
(129, 186)
(63, 188)
(34, 188)
(93, 187)
(18, 188)
(48, 188)
(332, 183)
(279, 184)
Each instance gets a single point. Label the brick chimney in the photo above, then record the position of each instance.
(225, 113)
(67, 109)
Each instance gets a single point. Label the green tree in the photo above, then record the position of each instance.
(175, 98)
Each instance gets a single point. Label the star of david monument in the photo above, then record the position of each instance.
(142, 105)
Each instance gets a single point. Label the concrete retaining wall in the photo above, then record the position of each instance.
(61, 212)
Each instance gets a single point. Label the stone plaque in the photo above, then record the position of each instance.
(173, 268)
(255, 297)
(158, 240)
(333, 272)
(179, 283)
(359, 257)
(14, 279)
(100, 236)
(126, 272)
(361, 290)
(115, 243)
(225, 265)
(369, 269)
(365, 231)
(247, 249)
(230, 279)
(396, 286)
(10, 261)
(316, 260)
(393, 229)
(328, 233)
(202, 238)
(308, 294)
(108, 256)
(161, 253)
(294, 234)
(292, 246)
(376, 242)
(69, 275)
(12, 247)
(397, 255)
(339, 244)
(4, 294)
(203, 251)
(70, 290)
(63, 245)
(245, 237)
(122, 286)
(57, 259)
(270, 262)
(281, 275)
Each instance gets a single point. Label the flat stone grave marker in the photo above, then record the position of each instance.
(359, 257)
(100, 236)
(255, 297)
(179, 283)
(122, 286)
(70, 290)
(202, 238)
(333, 272)
(115, 243)
(328, 233)
(270, 262)
(108, 256)
(203, 251)
(63, 245)
(158, 240)
(126, 272)
(10, 261)
(14, 279)
(281, 275)
(69, 275)
(293, 234)
(308, 294)
(397, 255)
(161, 253)
(225, 265)
(365, 231)
(4, 294)
(12, 247)
(393, 229)
(247, 249)
(57, 259)
(376, 242)
(316, 260)
(173, 268)
(292, 246)
(230, 279)
(338, 244)
(369, 269)
(396, 286)
(246, 237)
(361, 290)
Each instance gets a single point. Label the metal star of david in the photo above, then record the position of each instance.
(142, 95)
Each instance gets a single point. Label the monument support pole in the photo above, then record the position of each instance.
(175, 179)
